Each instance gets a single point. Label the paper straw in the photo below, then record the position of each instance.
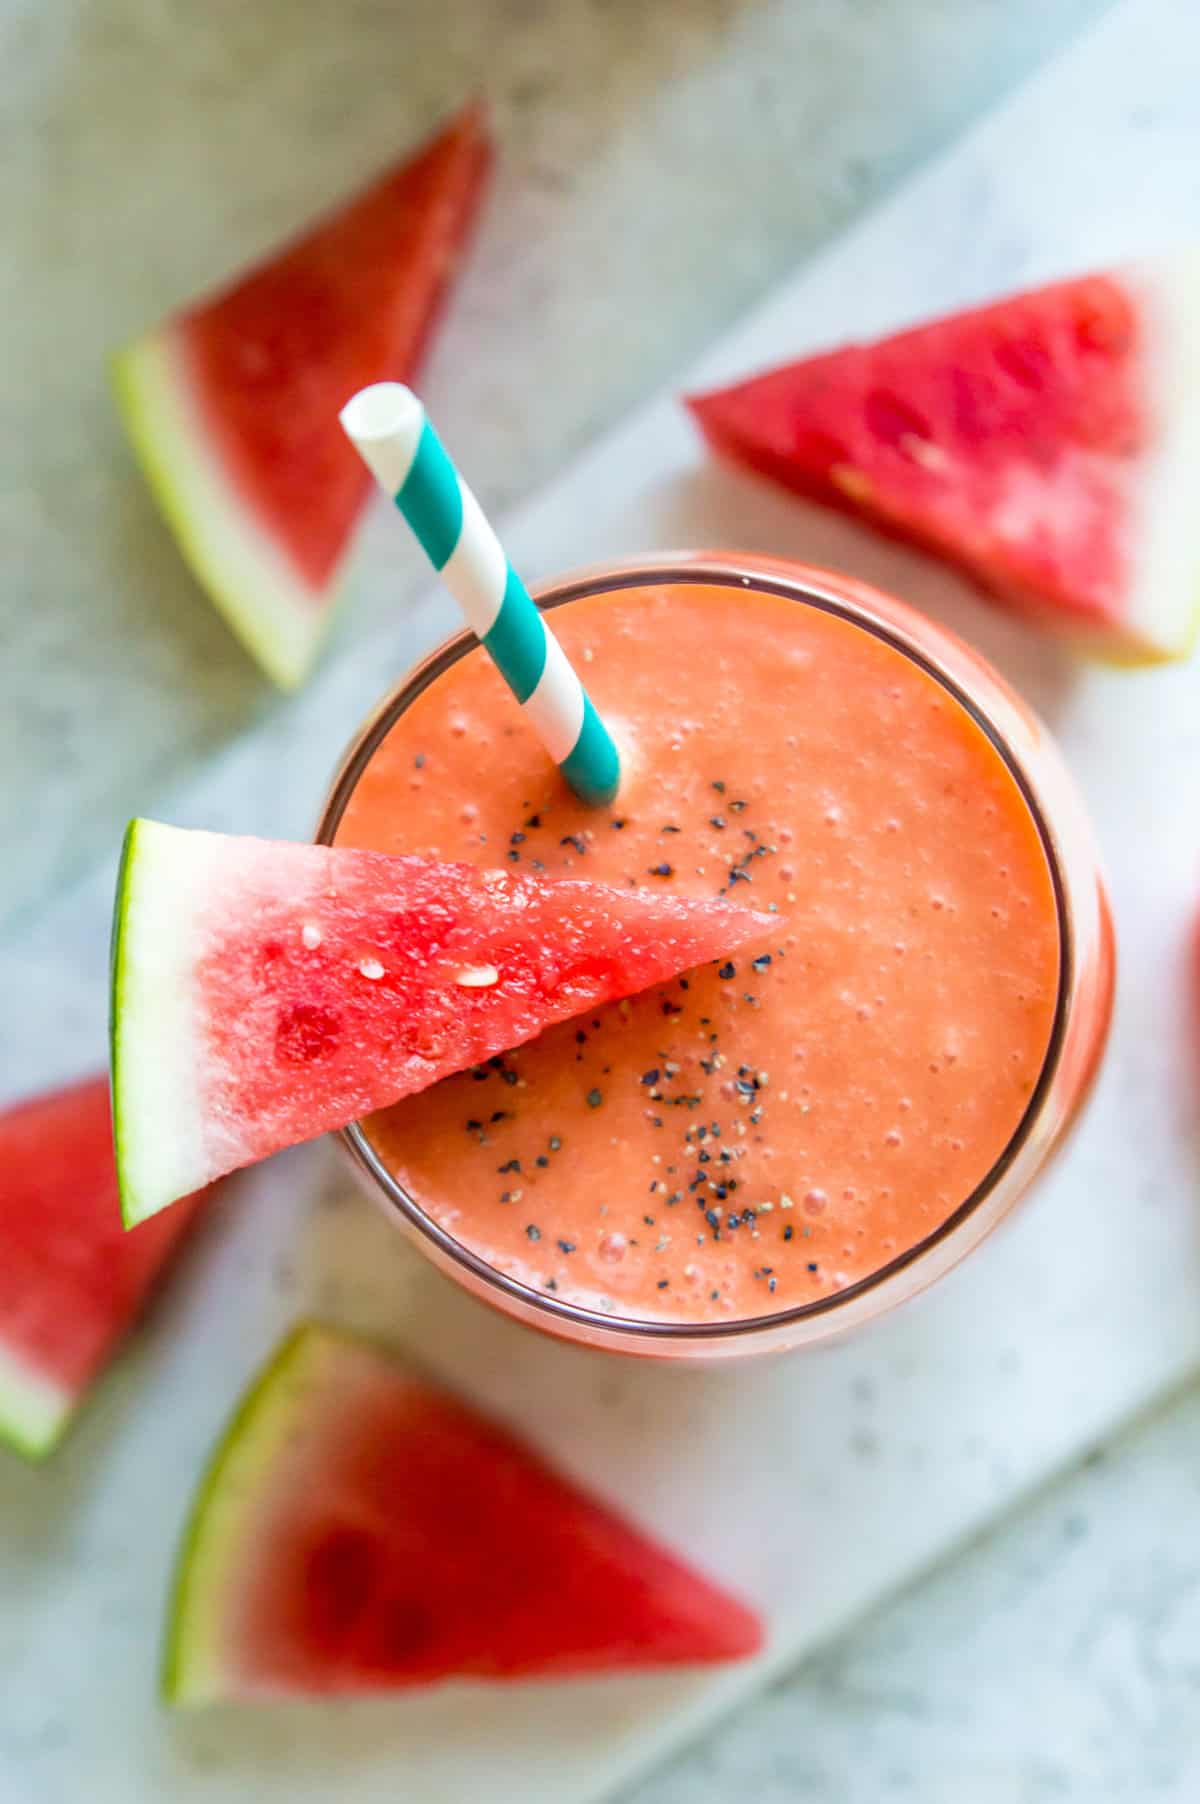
(389, 428)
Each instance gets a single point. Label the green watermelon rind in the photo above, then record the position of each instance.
(34, 1410)
(275, 614)
(157, 1130)
(190, 1671)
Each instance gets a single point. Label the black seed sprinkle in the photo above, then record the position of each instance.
(566, 1246)
(499, 1115)
(535, 820)
(516, 839)
(670, 827)
(550, 1284)
(580, 1036)
(618, 825)
(419, 761)
(762, 961)
(510, 1077)
(473, 1126)
(574, 839)
(594, 1098)
(509, 1165)
(720, 788)
(812, 1265)
(737, 806)
(533, 1233)
(661, 870)
(726, 971)
(651, 1077)
(788, 1231)
(542, 1160)
(663, 1283)
(717, 820)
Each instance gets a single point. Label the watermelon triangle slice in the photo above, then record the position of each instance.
(263, 992)
(1049, 444)
(232, 405)
(71, 1281)
(361, 1531)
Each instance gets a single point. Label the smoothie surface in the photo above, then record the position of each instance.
(762, 1133)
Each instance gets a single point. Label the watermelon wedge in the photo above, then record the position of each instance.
(263, 993)
(71, 1282)
(232, 405)
(1049, 444)
(359, 1530)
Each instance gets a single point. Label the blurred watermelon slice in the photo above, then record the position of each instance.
(265, 992)
(359, 1530)
(232, 405)
(71, 1281)
(1049, 444)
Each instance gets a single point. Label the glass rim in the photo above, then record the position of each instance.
(674, 568)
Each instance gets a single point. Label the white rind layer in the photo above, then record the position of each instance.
(1163, 613)
(158, 1120)
(275, 613)
(34, 1409)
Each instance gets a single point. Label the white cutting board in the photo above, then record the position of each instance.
(811, 1485)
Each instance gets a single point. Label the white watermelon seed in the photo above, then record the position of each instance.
(310, 936)
(370, 967)
(477, 977)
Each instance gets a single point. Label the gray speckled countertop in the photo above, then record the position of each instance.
(1056, 1661)
(662, 165)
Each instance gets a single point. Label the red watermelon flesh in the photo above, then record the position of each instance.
(1048, 443)
(360, 1530)
(264, 993)
(71, 1280)
(233, 404)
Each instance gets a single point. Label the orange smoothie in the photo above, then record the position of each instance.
(761, 1134)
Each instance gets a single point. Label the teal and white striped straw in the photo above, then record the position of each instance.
(388, 426)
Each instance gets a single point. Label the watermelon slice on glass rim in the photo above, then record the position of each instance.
(263, 993)
(1049, 444)
(360, 1530)
(232, 404)
(71, 1280)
